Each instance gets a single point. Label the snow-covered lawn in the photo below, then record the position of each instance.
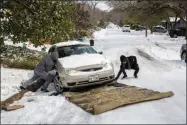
(164, 72)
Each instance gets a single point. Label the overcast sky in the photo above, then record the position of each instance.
(102, 6)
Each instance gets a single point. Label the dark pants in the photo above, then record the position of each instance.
(122, 70)
(48, 77)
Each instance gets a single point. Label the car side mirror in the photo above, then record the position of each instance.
(100, 52)
(92, 42)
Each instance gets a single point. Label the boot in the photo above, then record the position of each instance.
(135, 76)
(44, 90)
(124, 76)
(22, 88)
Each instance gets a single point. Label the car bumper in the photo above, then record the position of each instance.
(82, 79)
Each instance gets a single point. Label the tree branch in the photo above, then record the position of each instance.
(25, 6)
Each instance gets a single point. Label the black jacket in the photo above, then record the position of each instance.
(128, 62)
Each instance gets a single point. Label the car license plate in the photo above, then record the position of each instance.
(93, 78)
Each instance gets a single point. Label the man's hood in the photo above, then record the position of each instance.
(76, 61)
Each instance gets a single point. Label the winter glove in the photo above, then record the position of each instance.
(52, 72)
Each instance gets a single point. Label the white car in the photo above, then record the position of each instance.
(80, 65)
(126, 28)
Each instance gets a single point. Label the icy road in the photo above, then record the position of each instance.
(163, 72)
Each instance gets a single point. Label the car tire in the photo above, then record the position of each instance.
(58, 84)
(183, 56)
(175, 36)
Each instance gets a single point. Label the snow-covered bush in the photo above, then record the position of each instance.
(19, 57)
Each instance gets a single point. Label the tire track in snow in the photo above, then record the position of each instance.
(156, 63)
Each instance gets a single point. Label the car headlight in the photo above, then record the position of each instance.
(70, 71)
(108, 65)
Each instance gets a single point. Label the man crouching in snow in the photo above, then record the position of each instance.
(128, 63)
(44, 70)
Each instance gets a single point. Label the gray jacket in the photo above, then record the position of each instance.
(46, 64)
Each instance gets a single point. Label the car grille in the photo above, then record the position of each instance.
(91, 69)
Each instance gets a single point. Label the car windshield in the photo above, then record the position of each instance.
(75, 50)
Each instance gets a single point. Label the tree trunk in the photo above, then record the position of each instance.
(151, 30)
(175, 23)
(146, 31)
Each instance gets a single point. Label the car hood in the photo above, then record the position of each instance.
(84, 60)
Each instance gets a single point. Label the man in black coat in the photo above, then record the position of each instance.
(128, 63)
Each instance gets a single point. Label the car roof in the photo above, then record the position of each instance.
(69, 43)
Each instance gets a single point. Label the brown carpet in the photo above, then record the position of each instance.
(105, 98)
(97, 99)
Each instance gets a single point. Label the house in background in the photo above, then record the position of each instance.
(169, 24)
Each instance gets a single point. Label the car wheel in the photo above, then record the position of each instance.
(184, 56)
(175, 36)
(58, 84)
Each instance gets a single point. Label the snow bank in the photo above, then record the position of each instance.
(28, 45)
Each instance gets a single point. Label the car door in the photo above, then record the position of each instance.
(154, 29)
(162, 30)
(159, 30)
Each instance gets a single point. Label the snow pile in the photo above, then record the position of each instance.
(163, 53)
(27, 45)
(9, 51)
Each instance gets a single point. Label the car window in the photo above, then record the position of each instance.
(161, 28)
(75, 50)
(157, 28)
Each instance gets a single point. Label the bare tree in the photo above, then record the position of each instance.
(147, 8)
(93, 4)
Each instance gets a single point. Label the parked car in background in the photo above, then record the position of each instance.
(159, 29)
(174, 33)
(183, 52)
(138, 27)
(126, 28)
(80, 65)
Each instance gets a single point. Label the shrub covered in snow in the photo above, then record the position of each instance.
(19, 57)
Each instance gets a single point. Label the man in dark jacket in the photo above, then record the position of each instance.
(128, 63)
(44, 70)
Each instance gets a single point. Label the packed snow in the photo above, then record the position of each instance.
(91, 59)
(163, 72)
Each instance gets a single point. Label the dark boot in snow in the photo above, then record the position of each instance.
(44, 90)
(22, 88)
(135, 76)
(124, 76)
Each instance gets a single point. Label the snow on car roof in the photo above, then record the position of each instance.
(70, 43)
(127, 25)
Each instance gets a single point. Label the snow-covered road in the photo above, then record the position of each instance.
(164, 72)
